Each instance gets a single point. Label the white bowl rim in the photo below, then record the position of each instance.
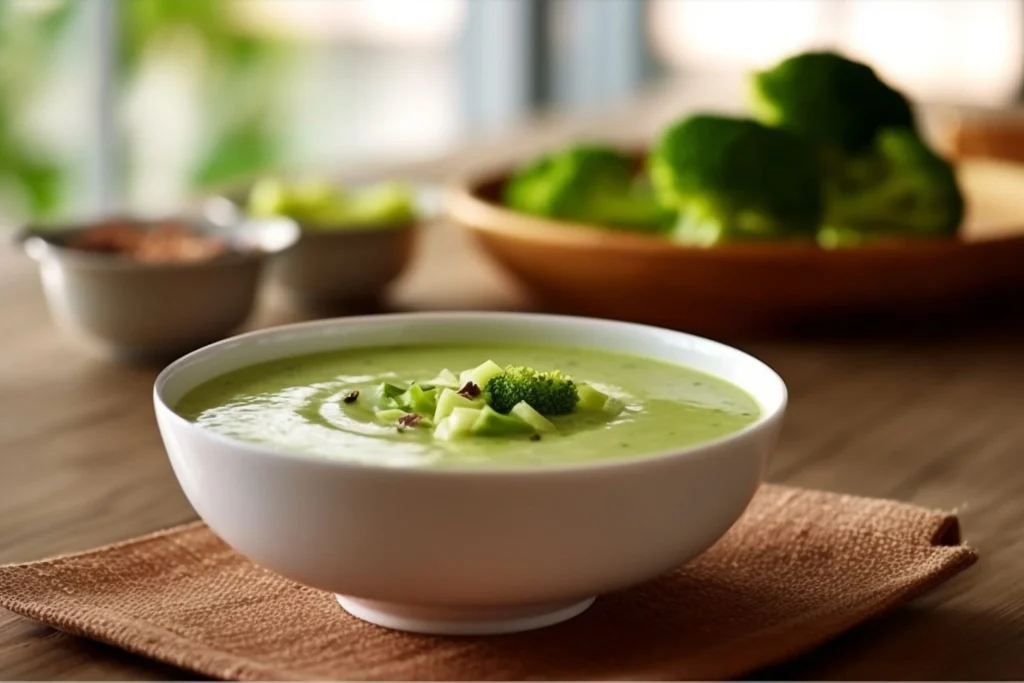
(764, 420)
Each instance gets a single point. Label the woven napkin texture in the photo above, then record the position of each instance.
(798, 568)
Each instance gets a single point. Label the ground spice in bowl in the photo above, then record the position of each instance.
(165, 242)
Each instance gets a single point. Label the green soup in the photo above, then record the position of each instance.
(298, 404)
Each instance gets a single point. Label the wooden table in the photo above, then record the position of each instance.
(935, 422)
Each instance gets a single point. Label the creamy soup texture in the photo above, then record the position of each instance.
(297, 404)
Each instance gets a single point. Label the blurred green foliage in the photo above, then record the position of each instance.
(240, 80)
(240, 86)
(28, 41)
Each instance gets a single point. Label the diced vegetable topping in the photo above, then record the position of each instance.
(492, 423)
(450, 400)
(385, 395)
(590, 398)
(389, 416)
(524, 412)
(482, 374)
(463, 419)
(515, 401)
(613, 406)
(445, 378)
(458, 424)
(593, 400)
(418, 400)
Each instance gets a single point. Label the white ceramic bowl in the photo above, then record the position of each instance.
(470, 550)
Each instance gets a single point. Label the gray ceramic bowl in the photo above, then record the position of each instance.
(326, 270)
(344, 266)
(139, 310)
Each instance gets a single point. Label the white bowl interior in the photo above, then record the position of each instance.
(711, 357)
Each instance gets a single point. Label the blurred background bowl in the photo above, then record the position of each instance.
(755, 289)
(334, 268)
(140, 310)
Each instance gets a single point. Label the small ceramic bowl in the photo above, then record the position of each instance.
(138, 310)
(337, 267)
(468, 551)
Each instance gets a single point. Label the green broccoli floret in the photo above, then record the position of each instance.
(732, 179)
(898, 188)
(880, 178)
(586, 183)
(549, 393)
(829, 100)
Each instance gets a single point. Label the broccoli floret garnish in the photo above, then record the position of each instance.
(586, 183)
(828, 100)
(549, 393)
(899, 188)
(732, 179)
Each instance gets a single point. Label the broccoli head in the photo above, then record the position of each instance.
(731, 179)
(828, 100)
(899, 187)
(586, 183)
(549, 393)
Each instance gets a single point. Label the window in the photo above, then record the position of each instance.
(159, 98)
(954, 51)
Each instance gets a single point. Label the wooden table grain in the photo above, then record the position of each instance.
(934, 421)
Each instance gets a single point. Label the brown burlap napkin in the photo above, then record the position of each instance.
(799, 568)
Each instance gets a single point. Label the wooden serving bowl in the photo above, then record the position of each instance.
(756, 288)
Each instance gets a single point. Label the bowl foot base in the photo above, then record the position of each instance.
(464, 621)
